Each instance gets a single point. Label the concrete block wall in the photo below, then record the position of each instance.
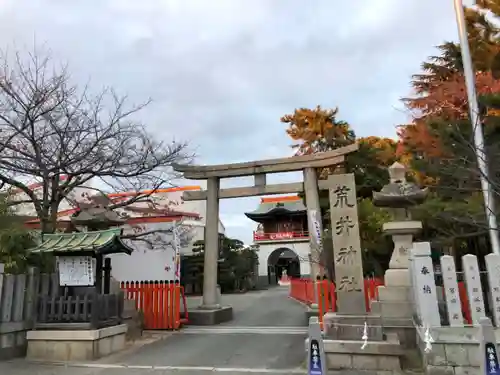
(81, 345)
(450, 358)
(12, 340)
(454, 352)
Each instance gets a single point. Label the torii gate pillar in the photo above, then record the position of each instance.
(210, 295)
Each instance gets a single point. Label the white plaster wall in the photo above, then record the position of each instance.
(200, 207)
(300, 248)
(157, 263)
(144, 265)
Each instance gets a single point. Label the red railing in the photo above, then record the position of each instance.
(279, 236)
(464, 301)
(325, 296)
(303, 291)
(159, 301)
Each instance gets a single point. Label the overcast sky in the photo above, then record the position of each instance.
(222, 72)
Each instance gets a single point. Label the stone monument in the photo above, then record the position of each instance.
(393, 303)
(354, 339)
(347, 322)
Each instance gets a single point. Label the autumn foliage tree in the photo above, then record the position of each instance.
(318, 130)
(438, 143)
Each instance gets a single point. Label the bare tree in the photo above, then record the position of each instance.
(55, 134)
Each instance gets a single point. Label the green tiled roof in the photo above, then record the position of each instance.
(100, 242)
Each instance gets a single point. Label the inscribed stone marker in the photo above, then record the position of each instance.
(488, 353)
(316, 352)
(424, 287)
(493, 267)
(474, 289)
(346, 244)
(450, 284)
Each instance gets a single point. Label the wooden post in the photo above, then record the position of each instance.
(94, 311)
(107, 275)
(98, 277)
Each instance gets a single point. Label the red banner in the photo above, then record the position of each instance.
(280, 236)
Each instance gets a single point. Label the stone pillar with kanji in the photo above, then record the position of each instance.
(351, 314)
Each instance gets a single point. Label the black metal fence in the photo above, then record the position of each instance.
(86, 311)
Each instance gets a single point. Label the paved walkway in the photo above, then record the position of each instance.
(266, 336)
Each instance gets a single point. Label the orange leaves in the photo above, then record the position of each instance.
(385, 148)
(309, 124)
(317, 129)
(418, 137)
(448, 100)
(445, 101)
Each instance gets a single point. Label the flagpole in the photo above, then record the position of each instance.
(477, 127)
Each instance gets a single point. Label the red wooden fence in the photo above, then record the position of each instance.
(464, 301)
(159, 301)
(303, 291)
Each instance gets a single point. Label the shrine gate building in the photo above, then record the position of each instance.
(282, 238)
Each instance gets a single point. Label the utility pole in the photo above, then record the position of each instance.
(482, 162)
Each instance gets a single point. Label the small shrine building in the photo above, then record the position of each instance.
(282, 238)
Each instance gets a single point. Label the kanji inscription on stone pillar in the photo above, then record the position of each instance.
(346, 244)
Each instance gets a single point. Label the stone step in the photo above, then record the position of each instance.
(392, 309)
(397, 278)
(351, 327)
(351, 355)
(394, 294)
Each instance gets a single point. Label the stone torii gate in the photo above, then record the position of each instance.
(211, 312)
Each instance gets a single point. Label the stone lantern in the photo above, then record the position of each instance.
(394, 298)
(399, 195)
